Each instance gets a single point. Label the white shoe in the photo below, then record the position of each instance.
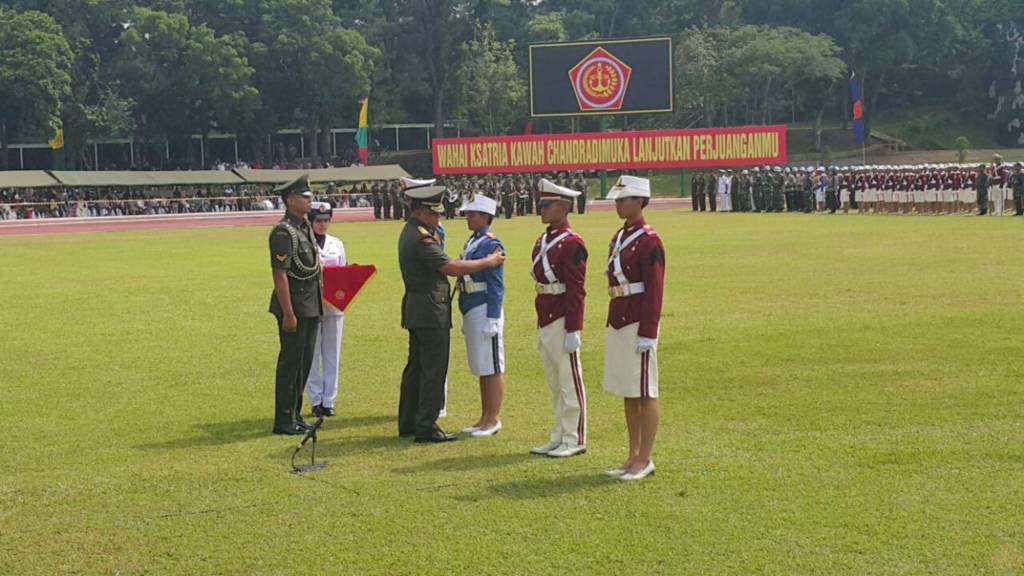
(567, 450)
(545, 448)
(647, 471)
(470, 429)
(615, 473)
(484, 432)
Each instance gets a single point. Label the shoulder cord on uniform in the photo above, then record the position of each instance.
(305, 272)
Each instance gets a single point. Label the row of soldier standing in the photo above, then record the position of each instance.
(906, 189)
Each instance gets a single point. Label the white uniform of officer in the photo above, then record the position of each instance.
(322, 384)
(724, 188)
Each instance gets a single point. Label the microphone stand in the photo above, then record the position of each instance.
(310, 435)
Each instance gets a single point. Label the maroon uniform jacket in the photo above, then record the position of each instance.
(642, 260)
(568, 260)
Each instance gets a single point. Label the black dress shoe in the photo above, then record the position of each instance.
(302, 424)
(289, 430)
(436, 436)
(406, 434)
(318, 411)
(327, 411)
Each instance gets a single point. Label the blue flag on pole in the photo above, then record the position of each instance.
(858, 109)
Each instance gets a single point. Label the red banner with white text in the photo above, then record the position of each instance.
(635, 150)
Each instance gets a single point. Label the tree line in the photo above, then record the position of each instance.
(168, 69)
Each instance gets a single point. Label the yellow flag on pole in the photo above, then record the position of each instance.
(57, 142)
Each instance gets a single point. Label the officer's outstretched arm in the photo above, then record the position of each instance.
(464, 267)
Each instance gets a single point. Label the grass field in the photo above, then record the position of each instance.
(841, 395)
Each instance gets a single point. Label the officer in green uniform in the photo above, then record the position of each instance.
(981, 185)
(581, 200)
(1017, 183)
(427, 311)
(295, 302)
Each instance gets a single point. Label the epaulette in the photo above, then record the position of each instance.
(649, 230)
(490, 235)
(423, 231)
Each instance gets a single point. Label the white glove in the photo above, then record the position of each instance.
(645, 344)
(572, 342)
(491, 329)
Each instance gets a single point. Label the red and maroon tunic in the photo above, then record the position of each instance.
(641, 260)
(567, 261)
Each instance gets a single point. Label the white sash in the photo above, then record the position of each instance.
(542, 256)
(468, 248)
(615, 260)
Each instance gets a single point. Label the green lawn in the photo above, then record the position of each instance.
(841, 395)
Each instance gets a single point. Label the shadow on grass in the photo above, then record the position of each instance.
(221, 433)
(465, 463)
(536, 488)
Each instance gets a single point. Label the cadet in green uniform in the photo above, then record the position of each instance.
(427, 310)
(295, 302)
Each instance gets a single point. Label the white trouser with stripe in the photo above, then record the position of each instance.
(322, 384)
(564, 373)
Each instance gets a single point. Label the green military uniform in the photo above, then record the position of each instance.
(397, 206)
(581, 200)
(697, 192)
(293, 249)
(981, 185)
(385, 199)
(807, 185)
(711, 188)
(427, 315)
(778, 190)
(1017, 183)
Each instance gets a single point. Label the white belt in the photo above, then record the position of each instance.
(551, 289)
(623, 290)
(470, 287)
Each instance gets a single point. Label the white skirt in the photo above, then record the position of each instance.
(628, 373)
(485, 354)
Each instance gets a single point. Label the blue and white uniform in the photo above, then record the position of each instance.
(481, 299)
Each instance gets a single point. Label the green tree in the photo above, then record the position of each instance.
(438, 29)
(35, 75)
(748, 73)
(963, 146)
(310, 69)
(95, 108)
(491, 88)
(186, 79)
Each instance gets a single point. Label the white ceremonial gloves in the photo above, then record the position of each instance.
(645, 344)
(491, 328)
(572, 342)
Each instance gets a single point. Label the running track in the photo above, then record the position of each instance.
(220, 219)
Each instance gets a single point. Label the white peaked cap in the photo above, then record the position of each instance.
(480, 203)
(420, 189)
(549, 188)
(630, 187)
